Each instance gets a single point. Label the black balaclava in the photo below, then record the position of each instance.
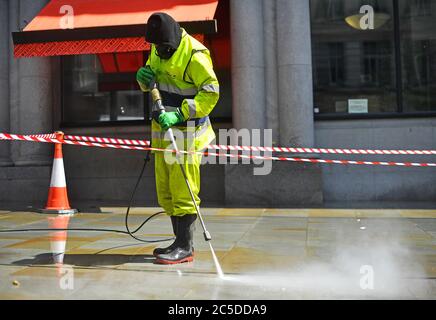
(165, 33)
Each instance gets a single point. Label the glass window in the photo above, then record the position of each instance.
(102, 88)
(418, 54)
(356, 70)
(329, 10)
(353, 68)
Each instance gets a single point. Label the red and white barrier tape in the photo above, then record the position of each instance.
(262, 149)
(38, 138)
(32, 138)
(324, 150)
(108, 140)
(241, 156)
(326, 161)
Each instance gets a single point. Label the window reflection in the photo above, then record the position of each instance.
(351, 63)
(101, 88)
(418, 48)
(352, 67)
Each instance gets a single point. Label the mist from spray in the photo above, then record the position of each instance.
(361, 259)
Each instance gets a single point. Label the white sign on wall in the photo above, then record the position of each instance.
(358, 106)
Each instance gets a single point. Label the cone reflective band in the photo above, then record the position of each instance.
(57, 201)
(58, 239)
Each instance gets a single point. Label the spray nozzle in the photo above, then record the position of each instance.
(207, 236)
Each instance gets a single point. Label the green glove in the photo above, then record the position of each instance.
(145, 75)
(169, 119)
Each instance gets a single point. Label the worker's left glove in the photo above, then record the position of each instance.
(169, 119)
(145, 76)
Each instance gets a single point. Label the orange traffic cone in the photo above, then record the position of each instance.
(57, 195)
(58, 239)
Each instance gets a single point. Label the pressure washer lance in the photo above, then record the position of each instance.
(157, 101)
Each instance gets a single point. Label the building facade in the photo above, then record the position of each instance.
(308, 70)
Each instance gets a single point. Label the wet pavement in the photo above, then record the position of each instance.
(264, 254)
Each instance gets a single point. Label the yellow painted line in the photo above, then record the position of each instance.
(22, 218)
(241, 212)
(351, 213)
(297, 213)
(418, 213)
(378, 213)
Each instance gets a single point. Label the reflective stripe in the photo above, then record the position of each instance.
(211, 88)
(174, 89)
(192, 108)
(203, 128)
(58, 174)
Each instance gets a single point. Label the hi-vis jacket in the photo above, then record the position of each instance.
(186, 81)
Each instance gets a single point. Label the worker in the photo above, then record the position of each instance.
(182, 69)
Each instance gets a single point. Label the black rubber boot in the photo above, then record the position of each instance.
(183, 251)
(171, 247)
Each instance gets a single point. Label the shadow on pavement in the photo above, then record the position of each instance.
(88, 260)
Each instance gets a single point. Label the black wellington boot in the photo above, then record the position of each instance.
(172, 246)
(183, 251)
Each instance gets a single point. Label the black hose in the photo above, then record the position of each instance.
(128, 232)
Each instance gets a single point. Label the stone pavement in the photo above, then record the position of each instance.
(264, 253)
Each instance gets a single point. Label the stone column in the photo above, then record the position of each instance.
(294, 59)
(5, 152)
(270, 50)
(248, 68)
(13, 74)
(32, 101)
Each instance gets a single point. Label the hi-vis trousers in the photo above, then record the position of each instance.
(172, 192)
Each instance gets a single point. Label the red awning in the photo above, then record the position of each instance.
(102, 26)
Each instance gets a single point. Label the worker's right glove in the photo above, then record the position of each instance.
(169, 119)
(144, 76)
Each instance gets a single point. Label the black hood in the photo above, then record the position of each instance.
(162, 29)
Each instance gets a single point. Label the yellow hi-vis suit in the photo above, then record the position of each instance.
(186, 81)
